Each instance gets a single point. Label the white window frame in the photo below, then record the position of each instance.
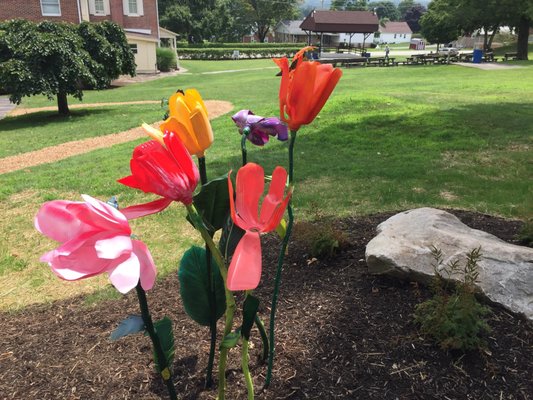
(94, 11)
(51, 14)
(126, 7)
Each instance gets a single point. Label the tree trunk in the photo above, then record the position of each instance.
(62, 104)
(491, 39)
(261, 33)
(523, 34)
(485, 38)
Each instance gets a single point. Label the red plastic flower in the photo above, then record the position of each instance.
(167, 171)
(245, 269)
(95, 238)
(304, 89)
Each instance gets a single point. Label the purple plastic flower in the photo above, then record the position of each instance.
(260, 128)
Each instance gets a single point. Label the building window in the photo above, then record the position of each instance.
(50, 7)
(133, 7)
(133, 48)
(99, 7)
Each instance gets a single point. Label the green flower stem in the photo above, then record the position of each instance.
(281, 256)
(264, 337)
(230, 300)
(211, 295)
(202, 169)
(244, 136)
(245, 370)
(166, 373)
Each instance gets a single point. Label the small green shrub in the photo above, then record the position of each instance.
(320, 238)
(166, 59)
(455, 320)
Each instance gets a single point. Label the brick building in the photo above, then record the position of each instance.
(139, 18)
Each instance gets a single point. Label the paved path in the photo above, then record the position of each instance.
(5, 106)
(488, 66)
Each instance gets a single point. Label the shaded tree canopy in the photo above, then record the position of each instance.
(385, 9)
(224, 20)
(412, 17)
(59, 59)
(437, 25)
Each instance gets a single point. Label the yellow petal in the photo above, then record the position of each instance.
(154, 133)
(192, 98)
(182, 130)
(173, 106)
(202, 129)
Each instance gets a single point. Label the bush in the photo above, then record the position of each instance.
(166, 59)
(456, 320)
(223, 53)
(320, 238)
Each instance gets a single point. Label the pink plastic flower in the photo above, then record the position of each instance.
(245, 269)
(95, 238)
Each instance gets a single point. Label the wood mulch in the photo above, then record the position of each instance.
(51, 154)
(341, 334)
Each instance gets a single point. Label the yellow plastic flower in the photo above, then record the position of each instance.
(188, 120)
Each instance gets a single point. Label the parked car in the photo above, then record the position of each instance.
(452, 51)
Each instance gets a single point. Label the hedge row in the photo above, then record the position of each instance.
(227, 54)
(256, 45)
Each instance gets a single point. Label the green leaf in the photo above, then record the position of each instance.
(281, 229)
(231, 235)
(249, 310)
(132, 324)
(231, 339)
(194, 286)
(163, 329)
(213, 203)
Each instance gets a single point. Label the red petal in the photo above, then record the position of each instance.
(245, 269)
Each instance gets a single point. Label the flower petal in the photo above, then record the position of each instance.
(148, 271)
(142, 210)
(245, 269)
(274, 197)
(125, 276)
(113, 247)
(250, 186)
(55, 220)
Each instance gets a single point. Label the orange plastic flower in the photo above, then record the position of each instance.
(305, 88)
(188, 120)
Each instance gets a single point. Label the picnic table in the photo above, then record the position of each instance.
(466, 57)
(511, 55)
(381, 61)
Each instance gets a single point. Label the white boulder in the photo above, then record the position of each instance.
(403, 245)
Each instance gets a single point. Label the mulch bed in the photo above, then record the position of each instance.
(342, 334)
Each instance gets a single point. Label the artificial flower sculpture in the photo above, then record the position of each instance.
(304, 89)
(188, 119)
(245, 269)
(258, 129)
(163, 169)
(95, 238)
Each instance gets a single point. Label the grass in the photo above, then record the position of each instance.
(388, 139)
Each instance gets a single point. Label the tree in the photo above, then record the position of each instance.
(107, 45)
(404, 6)
(437, 25)
(50, 58)
(385, 9)
(265, 14)
(349, 5)
(413, 15)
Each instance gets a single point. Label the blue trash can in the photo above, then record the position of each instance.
(477, 56)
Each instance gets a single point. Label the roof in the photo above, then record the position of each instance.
(395, 27)
(290, 27)
(340, 21)
(166, 33)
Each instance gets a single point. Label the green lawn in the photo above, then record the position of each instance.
(388, 139)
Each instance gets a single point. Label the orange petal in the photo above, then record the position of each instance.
(245, 269)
